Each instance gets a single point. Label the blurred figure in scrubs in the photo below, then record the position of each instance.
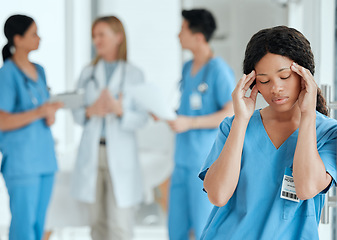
(29, 163)
(107, 172)
(269, 169)
(206, 87)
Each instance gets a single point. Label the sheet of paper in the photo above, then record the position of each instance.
(153, 99)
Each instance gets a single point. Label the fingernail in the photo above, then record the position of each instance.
(294, 63)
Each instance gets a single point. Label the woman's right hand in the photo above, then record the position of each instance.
(244, 106)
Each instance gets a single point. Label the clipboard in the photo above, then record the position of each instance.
(71, 100)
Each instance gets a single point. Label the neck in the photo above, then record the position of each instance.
(294, 114)
(202, 54)
(111, 57)
(20, 57)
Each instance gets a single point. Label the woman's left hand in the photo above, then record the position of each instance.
(308, 95)
(114, 105)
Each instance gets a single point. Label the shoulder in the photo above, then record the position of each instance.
(187, 65)
(132, 68)
(7, 67)
(40, 70)
(221, 70)
(226, 125)
(133, 73)
(87, 70)
(326, 127)
(227, 122)
(38, 67)
(220, 64)
(7, 72)
(325, 121)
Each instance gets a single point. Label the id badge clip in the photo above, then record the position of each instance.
(288, 190)
(195, 101)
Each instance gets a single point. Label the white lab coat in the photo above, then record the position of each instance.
(120, 138)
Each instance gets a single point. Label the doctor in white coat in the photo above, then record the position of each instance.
(107, 172)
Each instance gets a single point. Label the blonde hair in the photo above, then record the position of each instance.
(116, 26)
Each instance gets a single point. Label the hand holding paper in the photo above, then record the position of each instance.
(152, 98)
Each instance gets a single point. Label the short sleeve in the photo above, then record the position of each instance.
(7, 91)
(225, 84)
(220, 141)
(327, 145)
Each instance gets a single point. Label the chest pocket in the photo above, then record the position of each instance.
(302, 208)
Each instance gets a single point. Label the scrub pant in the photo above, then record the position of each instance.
(189, 206)
(28, 198)
(109, 222)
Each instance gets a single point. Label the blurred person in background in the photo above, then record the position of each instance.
(206, 87)
(107, 171)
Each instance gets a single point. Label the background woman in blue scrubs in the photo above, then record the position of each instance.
(269, 169)
(26, 142)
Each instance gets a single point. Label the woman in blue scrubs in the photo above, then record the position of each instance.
(269, 169)
(26, 143)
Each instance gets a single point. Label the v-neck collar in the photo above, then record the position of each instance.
(202, 69)
(267, 136)
(24, 74)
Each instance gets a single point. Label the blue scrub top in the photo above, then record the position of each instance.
(193, 146)
(256, 211)
(30, 149)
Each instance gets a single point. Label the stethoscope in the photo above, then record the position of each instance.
(31, 95)
(203, 86)
(95, 81)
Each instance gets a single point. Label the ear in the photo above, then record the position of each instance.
(120, 38)
(17, 40)
(200, 37)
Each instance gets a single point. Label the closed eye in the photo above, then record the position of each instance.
(264, 82)
(283, 78)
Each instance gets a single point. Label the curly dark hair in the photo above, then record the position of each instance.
(287, 42)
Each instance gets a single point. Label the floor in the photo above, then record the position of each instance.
(151, 225)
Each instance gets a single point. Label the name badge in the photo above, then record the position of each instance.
(195, 101)
(288, 190)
